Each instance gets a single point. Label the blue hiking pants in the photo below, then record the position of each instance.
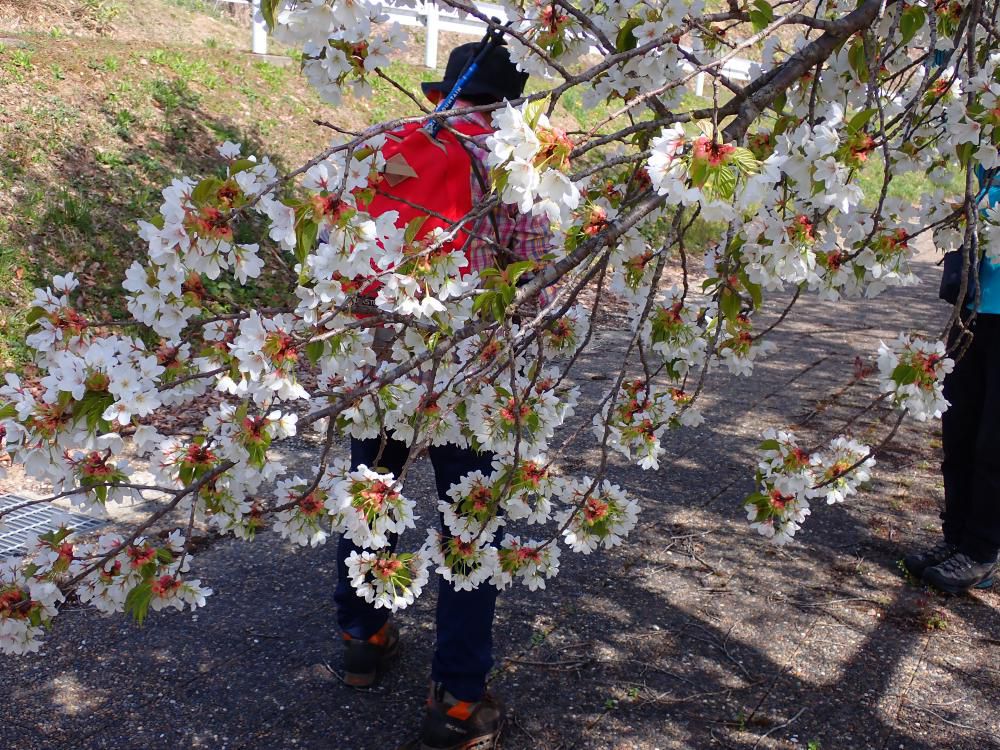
(463, 652)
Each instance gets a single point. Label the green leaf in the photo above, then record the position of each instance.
(626, 35)
(490, 272)
(904, 374)
(267, 8)
(91, 408)
(241, 165)
(911, 21)
(745, 161)
(486, 298)
(965, 152)
(314, 351)
(534, 110)
(769, 445)
(34, 315)
(725, 183)
(860, 120)
(413, 228)
(762, 15)
(57, 536)
(515, 270)
(500, 178)
(730, 303)
(206, 191)
(698, 172)
(856, 58)
(164, 555)
(755, 293)
(137, 601)
(498, 308)
(782, 124)
(306, 232)
(7, 411)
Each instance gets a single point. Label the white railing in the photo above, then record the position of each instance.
(258, 35)
(436, 18)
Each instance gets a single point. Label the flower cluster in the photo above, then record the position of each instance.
(134, 578)
(531, 561)
(788, 477)
(911, 370)
(686, 223)
(387, 579)
(530, 157)
(599, 514)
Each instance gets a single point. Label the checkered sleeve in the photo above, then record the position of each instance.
(523, 236)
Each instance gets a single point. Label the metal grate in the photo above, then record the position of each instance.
(18, 526)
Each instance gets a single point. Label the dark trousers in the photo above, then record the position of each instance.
(971, 438)
(463, 652)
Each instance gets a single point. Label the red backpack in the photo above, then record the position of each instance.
(432, 172)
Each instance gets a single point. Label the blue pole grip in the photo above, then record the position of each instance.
(493, 37)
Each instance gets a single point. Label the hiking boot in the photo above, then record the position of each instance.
(918, 562)
(959, 573)
(451, 724)
(364, 660)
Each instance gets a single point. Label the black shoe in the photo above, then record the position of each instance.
(918, 562)
(365, 660)
(959, 573)
(451, 724)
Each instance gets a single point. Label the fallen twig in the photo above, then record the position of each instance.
(779, 726)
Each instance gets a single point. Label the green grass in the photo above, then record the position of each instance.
(101, 14)
(909, 186)
(198, 6)
(83, 157)
(387, 102)
(96, 129)
(275, 77)
(172, 94)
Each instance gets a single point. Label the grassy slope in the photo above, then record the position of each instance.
(100, 112)
(92, 126)
(111, 100)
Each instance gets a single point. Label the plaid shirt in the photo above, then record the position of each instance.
(525, 236)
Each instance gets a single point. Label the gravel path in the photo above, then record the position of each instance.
(696, 634)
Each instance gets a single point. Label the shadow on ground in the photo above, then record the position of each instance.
(697, 634)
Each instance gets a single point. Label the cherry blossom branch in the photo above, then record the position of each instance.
(178, 494)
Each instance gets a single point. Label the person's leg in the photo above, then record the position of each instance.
(964, 390)
(356, 617)
(981, 534)
(463, 653)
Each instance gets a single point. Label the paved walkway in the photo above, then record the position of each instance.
(697, 634)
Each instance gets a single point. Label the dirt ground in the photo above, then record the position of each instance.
(695, 634)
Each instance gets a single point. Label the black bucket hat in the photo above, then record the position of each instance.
(496, 78)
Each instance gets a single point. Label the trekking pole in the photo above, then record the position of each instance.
(493, 37)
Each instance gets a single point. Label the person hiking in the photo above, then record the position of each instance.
(967, 556)
(460, 714)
